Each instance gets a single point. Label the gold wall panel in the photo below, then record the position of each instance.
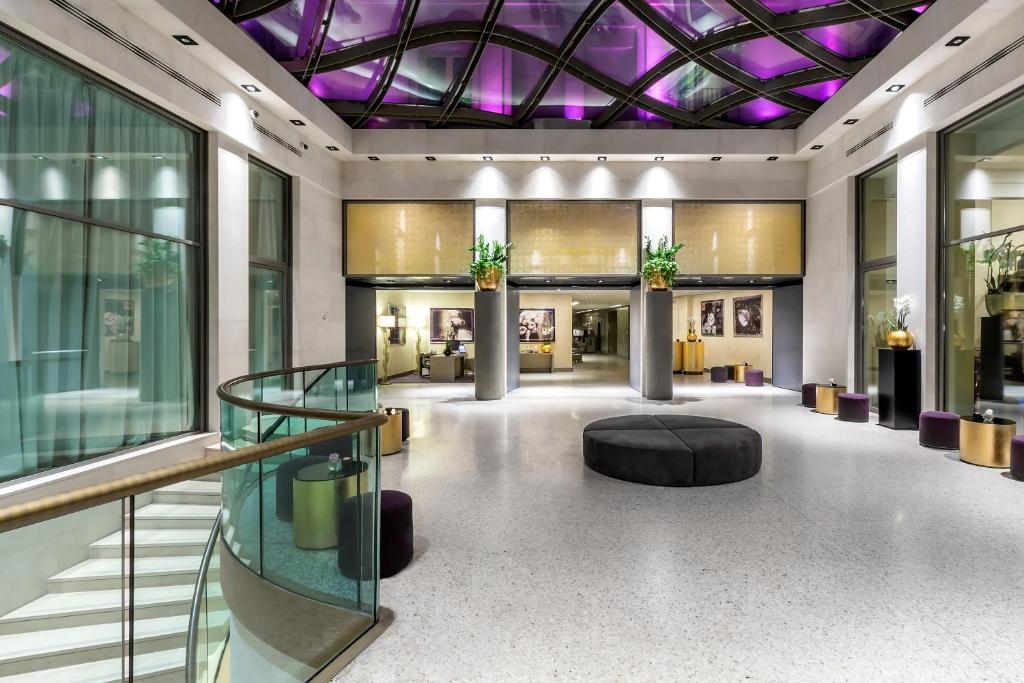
(573, 237)
(408, 238)
(739, 238)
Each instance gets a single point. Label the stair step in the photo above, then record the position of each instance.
(84, 608)
(176, 516)
(148, 666)
(106, 573)
(194, 491)
(153, 543)
(64, 647)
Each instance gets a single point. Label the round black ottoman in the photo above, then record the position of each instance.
(283, 482)
(939, 429)
(355, 522)
(809, 395)
(719, 374)
(854, 407)
(672, 450)
(405, 423)
(1017, 457)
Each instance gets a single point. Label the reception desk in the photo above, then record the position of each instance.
(447, 368)
(536, 362)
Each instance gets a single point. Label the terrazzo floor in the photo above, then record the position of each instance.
(855, 554)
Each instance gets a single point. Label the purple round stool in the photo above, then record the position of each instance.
(809, 395)
(355, 519)
(395, 532)
(754, 378)
(719, 374)
(854, 407)
(939, 429)
(1017, 457)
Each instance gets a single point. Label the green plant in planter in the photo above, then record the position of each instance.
(660, 267)
(1000, 261)
(488, 265)
(158, 262)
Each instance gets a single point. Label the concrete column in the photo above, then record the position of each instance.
(657, 344)
(491, 344)
(636, 338)
(512, 337)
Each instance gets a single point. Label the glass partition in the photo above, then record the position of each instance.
(983, 262)
(739, 238)
(269, 266)
(100, 267)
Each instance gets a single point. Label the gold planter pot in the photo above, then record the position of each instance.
(986, 443)
(391, 434)
(316, 494)
(489, 279)
(827, 399)
(899, 340)
(658, 282)
(691, 337)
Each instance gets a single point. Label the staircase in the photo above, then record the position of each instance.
(74, 633)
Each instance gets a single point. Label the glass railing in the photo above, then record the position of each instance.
(255, 563)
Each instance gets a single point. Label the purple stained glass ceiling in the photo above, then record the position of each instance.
(653, 63)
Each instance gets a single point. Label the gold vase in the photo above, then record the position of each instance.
(900, 340)
(489, 279)
(658, 283)
(691, 337)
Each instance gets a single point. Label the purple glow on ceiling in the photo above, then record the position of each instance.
(756, 112)
(548, 20)
(4, 54)
(354, 83)
(621, 46)
(436, 11)
(765, 57)
(821, 91)
(690, 87)
(571, 98)
(502, 80)
(5, 89)
(425, 73)
(783, 6)
(287, 31)
(357, 21)
(854, 39)
(698, 17)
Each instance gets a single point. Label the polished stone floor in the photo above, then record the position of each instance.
(855, 555)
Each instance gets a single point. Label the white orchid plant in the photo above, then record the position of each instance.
(902, 306)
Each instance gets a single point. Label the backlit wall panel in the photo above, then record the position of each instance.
(574, 237)
(734, 238)
(408, 238)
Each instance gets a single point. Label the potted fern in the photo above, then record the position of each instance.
(660, 267)
(488, 266)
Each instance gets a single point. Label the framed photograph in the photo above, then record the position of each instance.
(536, 324)
(712, 318)
(118, 314)
(747, 316)
(451, 324)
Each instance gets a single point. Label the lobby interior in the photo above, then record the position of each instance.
(272, 408)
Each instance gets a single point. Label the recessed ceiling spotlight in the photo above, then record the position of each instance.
(185, 39)
(545, 158)
(297, 122)
(602, 158)
(430, 158)
(850, 122)
(40, 157)
(332, 148)
(817, 147)
(958, 41)
(373, 158)
(716, 158)
(600, 281)
(488, 157)
(249, 87)
(98, 156)
(547, 281)
(773, 158)
(984, 160)
(157, 156)
(659, 158)
(895, 87)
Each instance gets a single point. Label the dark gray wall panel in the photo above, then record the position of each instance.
(658, 346)
(788, 336)
(360, 323)
(636, 337)
(512, 329)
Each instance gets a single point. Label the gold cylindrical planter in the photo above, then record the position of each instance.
(316, 494)
(826, 399)
(391, 434)
(740, 373)
(677, 356)
(986, 443)
(693, 358)
(489, 279)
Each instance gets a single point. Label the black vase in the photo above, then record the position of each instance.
(447, 350)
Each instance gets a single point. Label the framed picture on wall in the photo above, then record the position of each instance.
(712, 318)
(451, 324)
(747, 316)
(396, 334)
(536, 324)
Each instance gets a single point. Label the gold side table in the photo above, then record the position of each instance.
(740, 373)
(826, 398)
(677, 356)
(693, 358)
(391, 433)
(986, 443)
(316, 494)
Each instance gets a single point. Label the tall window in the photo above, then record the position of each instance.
(876, 212)
(983, 262)
(269, 246)
(100, 261)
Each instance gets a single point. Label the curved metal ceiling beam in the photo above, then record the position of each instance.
(391, 67)
(458, 86)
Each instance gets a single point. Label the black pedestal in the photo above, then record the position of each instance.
(991, 359)
(899, 388)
